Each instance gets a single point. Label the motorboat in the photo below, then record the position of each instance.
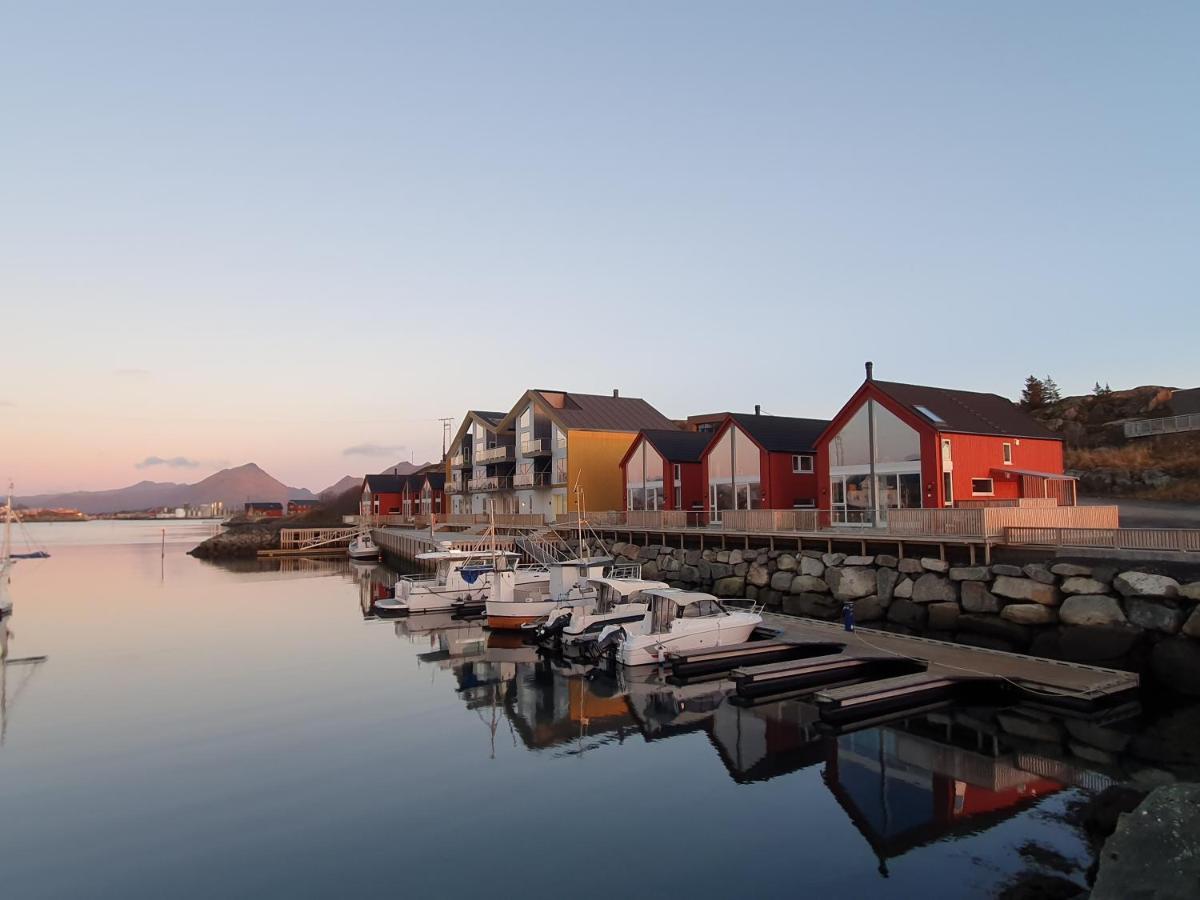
(363, 546)
(675, 620)
(568, 587)
(618, 601)
(462, 580)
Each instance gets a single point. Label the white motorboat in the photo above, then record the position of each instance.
(569, 587)
(362, 546)
(676, 621)
(463, 579)
(618, 601)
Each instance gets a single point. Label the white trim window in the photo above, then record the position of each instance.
(802, 464)
(983, 487)
(1007, 450)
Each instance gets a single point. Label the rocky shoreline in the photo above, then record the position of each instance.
(1094, 612)
(238, 541)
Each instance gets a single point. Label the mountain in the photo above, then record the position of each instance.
(233, 487)
(403, 468)
(340, 486)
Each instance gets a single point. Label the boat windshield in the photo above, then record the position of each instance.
(443, 570)
(701, 609)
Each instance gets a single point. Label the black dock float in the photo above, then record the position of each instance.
(781, 677)
(906, 693)
(694, 663)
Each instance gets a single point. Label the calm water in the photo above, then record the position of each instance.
(202, 731)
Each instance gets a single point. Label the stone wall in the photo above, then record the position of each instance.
(1103, 614)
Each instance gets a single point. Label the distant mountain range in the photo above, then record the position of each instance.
(340, 486)
(233, 487)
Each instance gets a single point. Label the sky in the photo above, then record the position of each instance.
(299, 233)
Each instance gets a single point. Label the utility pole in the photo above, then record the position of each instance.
(446, 425)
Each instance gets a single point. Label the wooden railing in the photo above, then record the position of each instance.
(950, 522)
(1184, 540)
(996, 519)
(309, 538)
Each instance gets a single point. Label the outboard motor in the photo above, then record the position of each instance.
(607, 644)
(554, 625)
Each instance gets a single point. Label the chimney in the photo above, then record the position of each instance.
(616, 393)
(757, 409)
(870, 371)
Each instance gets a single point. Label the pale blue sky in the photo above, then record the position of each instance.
(271, 231)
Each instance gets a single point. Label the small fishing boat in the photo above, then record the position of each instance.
(462, 580)
(362, 546)
(675, 620)
(618, 601)
(569, 588)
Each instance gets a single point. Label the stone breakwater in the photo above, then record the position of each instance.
(238, 541)
(1102, 614)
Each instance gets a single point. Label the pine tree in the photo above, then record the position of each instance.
(1034, 394)
(1050, 392)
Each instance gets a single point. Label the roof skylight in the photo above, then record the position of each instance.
(930, 415)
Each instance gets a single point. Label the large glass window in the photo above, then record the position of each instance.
(895, 441)
(734, 472)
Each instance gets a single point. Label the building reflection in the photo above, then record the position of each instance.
(903, 785)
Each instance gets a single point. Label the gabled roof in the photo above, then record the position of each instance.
(437, 480)
(781, 434)
(966, 412)
(591, 412)
(677, 446)
(387, 484)
(487, 418)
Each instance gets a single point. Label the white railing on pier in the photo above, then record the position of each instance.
(1165, 425)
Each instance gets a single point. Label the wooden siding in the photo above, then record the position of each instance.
(782, 487)
(982, 456)
(594, 463)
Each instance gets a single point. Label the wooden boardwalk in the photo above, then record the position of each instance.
(1053, 680)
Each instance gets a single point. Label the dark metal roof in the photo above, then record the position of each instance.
(387, 484)
(1185, 402)
(676, 445)
(493, 417)
(594, 412)
(966, 412)
(781, 434)
(437, 480)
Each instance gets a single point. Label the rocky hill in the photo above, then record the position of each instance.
(1109, 464)
(340, 486)
(233, 487)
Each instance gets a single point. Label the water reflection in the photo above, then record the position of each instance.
(905, 785)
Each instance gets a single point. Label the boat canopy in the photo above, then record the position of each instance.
(466, 554)
(680, 597)
(627, 586)
(668, 604)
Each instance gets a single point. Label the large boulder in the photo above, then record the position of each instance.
(786, 562)
(1070, 570)
(886, 560)
(1176, 663)
(759, 576)
(833, 559)
(1192, 626)
(1038, 572)
(806, 584)
(885, 584)
(1089, 609)
(1148, 614)
(1153, 851)
(1144, 584)
(1079, 584)
(903, 588)
(931, 588)
(810, 566)
(943, 616)
(970, 573)
(929, 564)
(1005, 569)
(1190, 591)
(781, 581)
(730, 586)
(858, 561)
(868, 609)
(1025, 589)
(910, 566)
(1030, 614)
(850, 583)
(907, 613)
(976, 598)
(815, 606)
(690, 575)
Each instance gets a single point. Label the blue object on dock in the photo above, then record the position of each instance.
(848, 615)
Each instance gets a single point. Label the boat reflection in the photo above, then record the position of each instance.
(910, 783)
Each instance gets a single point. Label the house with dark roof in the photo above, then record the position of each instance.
(662, 470)
(756, 461)
(530, 459)
(295, 506)
(383, 495)
(933, 447)
(481, 455)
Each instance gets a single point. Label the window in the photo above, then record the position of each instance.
(678, 497)
(526, 417)
(1007, 454)
(802, 465)
(982, 486)
(930, 415)
(677, 472)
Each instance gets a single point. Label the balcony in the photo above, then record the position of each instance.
(491, 455)
(490, 483)
(560, 475)
(531, 479)
(461, 461)
(535, 447)
(454, 486)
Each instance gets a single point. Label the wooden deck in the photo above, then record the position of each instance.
(1053, 681)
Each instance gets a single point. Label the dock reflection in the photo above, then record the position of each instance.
(904, 785)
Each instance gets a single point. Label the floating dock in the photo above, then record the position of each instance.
(864, 674)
